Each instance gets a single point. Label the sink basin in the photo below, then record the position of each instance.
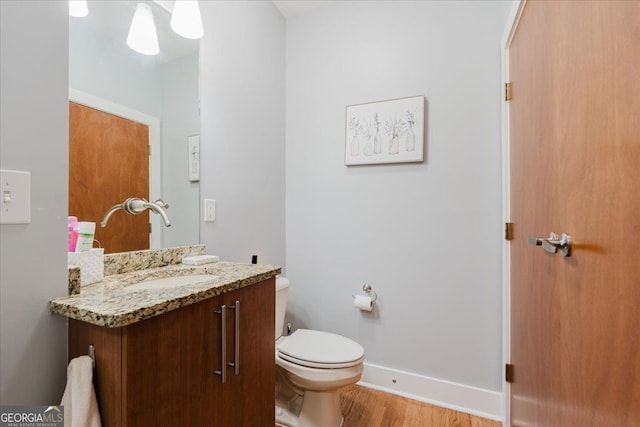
(171, 282)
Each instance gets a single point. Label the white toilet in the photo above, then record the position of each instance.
(310, 368)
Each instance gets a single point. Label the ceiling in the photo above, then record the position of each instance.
(291, 8)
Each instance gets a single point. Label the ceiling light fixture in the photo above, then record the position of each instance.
(186, 20)
(143, 37)
(78, 8)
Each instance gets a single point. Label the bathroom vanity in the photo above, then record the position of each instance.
(178, 345)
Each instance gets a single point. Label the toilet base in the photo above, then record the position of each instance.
(319, 409)
(285, 417)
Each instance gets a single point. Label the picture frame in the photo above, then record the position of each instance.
(390, 131)
(193, 143)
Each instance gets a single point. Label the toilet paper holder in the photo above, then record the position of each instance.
(369, 290)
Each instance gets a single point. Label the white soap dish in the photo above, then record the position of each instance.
(200, 259)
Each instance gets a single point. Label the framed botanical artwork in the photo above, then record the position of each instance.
(385, 132)
(193, 143)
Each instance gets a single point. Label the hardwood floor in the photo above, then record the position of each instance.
(363, 407)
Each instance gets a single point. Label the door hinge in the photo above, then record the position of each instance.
(507, 91)
(508, 372)
(150, 228)
(508, 231)
(149, 150)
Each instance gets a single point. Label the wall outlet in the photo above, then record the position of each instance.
(209, 210)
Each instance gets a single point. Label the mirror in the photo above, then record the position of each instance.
(160, 91)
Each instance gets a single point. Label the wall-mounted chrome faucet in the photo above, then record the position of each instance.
(135, 206)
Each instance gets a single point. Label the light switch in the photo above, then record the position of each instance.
(209, 210)
(16, 197)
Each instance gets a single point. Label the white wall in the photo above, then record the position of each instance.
(426, 236)
(242, 69)
(34, 137)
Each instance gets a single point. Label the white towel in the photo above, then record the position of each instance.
(79, 398)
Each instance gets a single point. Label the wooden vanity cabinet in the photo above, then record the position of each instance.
(161, 371)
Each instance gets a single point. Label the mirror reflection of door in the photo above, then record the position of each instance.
(108, 163)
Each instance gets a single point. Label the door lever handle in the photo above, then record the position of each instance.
(553, 243)
(535, 241)
(549, 244)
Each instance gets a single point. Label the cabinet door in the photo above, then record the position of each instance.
(249, 395)
(169, 368)
(201, 388)
(107, 375)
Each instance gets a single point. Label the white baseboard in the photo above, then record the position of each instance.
(463, 398)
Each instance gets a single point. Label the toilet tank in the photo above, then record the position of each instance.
(282, 289)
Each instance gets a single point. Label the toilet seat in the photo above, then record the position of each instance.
(322, 350)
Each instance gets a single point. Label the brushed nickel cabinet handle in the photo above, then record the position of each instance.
(236, 348)
(223, 343)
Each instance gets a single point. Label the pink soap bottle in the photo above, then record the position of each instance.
(73, 232)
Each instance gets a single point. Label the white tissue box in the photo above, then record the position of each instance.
(91, 265)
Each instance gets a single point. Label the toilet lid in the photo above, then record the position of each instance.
(319, 349)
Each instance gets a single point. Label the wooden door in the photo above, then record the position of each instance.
(249, 396)
(108, 163)
(575, 168)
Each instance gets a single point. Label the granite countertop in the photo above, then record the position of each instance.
(113, 302)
